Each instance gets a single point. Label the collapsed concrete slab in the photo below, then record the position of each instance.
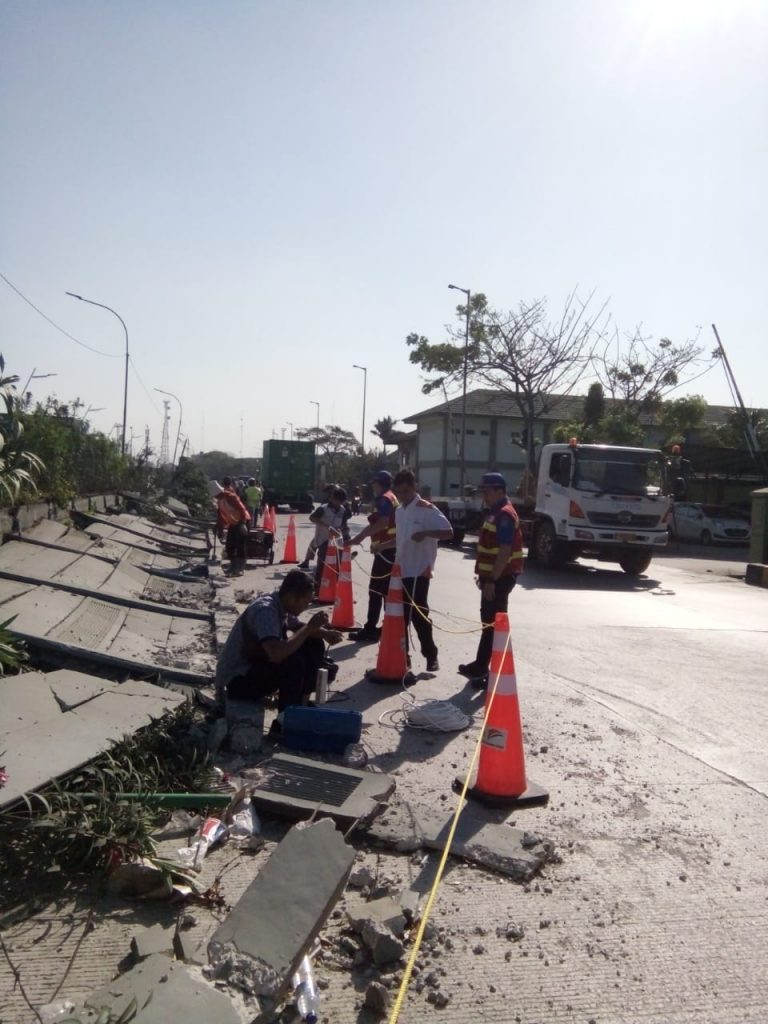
(165, 992)
(71, 717)
(298, 787)
(406, 827)
(259, 946)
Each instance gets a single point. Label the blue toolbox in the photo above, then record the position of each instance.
(321, 729)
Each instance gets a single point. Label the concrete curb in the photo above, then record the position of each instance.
(757, 575)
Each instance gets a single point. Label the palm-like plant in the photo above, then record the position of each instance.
(384, 429)
(18, 466)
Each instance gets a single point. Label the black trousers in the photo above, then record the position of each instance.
(293, 678)
(237, 538)
(416, 610)
(379, 585)
(488, 609)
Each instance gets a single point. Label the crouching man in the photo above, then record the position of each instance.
(260, 658)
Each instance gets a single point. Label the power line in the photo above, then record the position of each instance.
(143, 385)
(82, 344)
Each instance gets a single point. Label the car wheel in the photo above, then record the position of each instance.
(706, 537)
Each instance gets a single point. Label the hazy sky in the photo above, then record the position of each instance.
(269, 192)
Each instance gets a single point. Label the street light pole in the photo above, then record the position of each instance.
(291, 426)
(463, 463)
(318, 411)
(181, 413)
(125, 389)
(365, 392)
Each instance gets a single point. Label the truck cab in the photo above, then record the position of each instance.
(602, 501)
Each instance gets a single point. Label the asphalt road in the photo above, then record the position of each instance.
(645, 712)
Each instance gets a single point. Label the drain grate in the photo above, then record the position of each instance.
(90, 625)
(315, 783)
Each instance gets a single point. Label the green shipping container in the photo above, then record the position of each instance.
(288, 469)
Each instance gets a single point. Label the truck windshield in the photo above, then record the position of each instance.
(618, 472)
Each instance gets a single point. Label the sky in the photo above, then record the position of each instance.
(268, 193)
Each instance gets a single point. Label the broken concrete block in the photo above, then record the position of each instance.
(259, 946)
(377, 999)
(361, 877)
(189, 949)
(152, 940)
(382, 944)
(165, 993)
(385, 911)
(410, 904)
(245, 722)
(407, 827)
(298, 787)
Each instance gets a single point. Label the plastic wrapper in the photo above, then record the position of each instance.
(210, 832)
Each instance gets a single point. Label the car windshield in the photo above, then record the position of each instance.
(618, 472)
(721, 512)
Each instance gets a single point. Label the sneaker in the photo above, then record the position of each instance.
(366, 635)
(433, 665)
(472, 670)
(479, 682)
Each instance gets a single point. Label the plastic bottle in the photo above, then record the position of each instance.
(307, 996)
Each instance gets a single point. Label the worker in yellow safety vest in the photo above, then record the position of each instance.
(499, 563)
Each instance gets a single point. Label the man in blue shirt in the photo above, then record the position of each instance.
(260, 658)
(381, 530)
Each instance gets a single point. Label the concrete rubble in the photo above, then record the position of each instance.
(406, 827)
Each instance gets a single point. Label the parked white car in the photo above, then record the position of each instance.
(707, 524)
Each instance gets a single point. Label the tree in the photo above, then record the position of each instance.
(19, 465)
(190, 485)
(640, 373)
(384, 429)
(594, 405)
(681, 416)
(333, 443)
(520, 352)
(732, 433)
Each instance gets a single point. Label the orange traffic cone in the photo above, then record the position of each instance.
(344, 603)
(327, 592)
(392, 660)
(500, 779)
(289, 555)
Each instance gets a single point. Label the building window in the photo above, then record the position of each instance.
(484, 433)
(470, 432)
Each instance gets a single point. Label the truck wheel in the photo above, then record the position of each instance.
(549, 550)
(458, 538)
(635, 563)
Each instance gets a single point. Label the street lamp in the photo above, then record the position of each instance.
(318, 411)
(291, 426)
(178, 431)
(462, 465)
(125, 389)
(365, 390)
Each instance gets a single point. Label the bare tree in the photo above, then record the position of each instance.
(520, 352)
(638, 373)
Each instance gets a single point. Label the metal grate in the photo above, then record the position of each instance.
(623, 519)
(314, 783)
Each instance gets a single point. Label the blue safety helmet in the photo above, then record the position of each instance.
(382, 477)
(493, 480)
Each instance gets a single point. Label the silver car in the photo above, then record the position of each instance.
(707, 524)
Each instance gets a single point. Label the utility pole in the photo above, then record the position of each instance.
(164, 456)
(749, 431)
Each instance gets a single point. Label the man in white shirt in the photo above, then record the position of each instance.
(419, 526)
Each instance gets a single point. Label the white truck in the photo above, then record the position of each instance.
(601, 501)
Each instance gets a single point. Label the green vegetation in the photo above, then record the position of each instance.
(19, 462)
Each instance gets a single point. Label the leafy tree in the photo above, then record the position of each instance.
(732, 433)
(19, 464)
(520, 352)
(384, 429)
(594, 405)
(190, 485)
(217, 464)
(333, 443)
(681, 416)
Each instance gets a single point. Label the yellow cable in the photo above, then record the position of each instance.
(395, 1015)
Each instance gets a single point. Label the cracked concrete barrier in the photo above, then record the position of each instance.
(500, 847)
(259, 946)
(52, 723)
